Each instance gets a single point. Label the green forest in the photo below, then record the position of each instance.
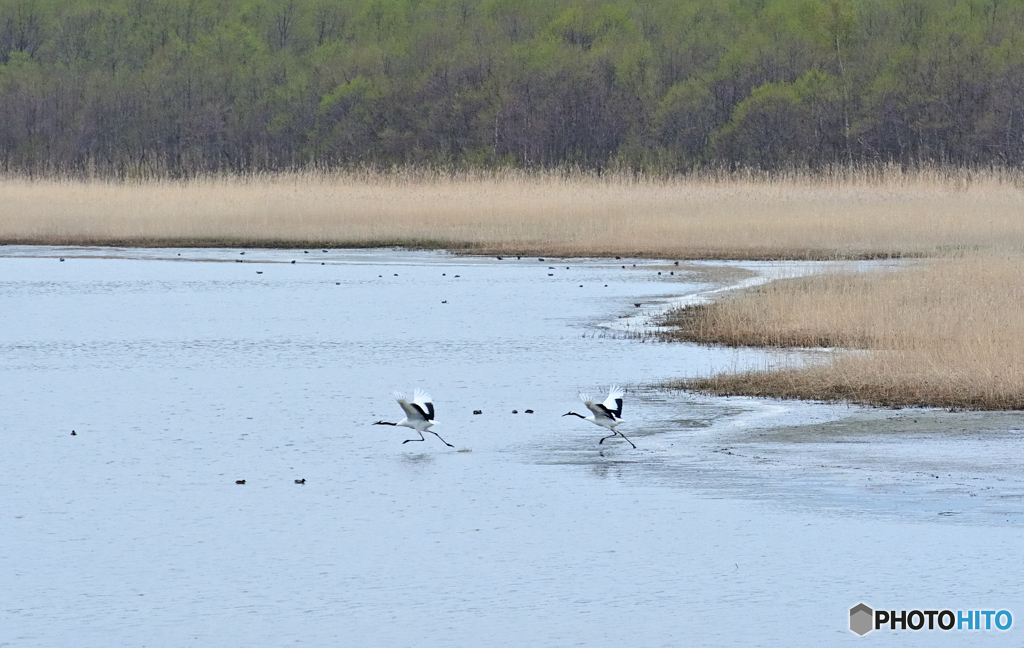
(179, 87)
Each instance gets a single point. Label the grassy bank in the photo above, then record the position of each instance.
(881, 211)
(946, 332)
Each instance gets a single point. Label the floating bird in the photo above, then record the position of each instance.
(73, 433)
(293, 261)
(515, 411)
(478, 411)
(305, 251)
(62, 259)
(677, 263)
(419, 415)
(607, 414)
(300, 481)
(637, 304)
(499, 258)
(239, 481)
(529, 411)
(259, 272)
(444, 301)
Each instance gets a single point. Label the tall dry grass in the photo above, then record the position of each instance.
(848, 213)
(947, 332)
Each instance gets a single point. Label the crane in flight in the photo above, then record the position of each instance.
(607, 414)
(419, 415)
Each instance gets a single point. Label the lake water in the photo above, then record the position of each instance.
(182, 371)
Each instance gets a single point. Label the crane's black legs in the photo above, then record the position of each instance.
(439, 437)
(618, 434)
(424, 439)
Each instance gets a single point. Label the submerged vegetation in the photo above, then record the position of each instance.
(130, 88)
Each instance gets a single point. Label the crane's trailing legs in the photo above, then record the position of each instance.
(617, 433)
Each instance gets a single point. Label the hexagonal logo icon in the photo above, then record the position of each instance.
(861, 617)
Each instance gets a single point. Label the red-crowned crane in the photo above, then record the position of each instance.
(607, 414)
(419, 415)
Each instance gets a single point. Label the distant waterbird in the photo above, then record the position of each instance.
(607, 414)
(300, 481)
(419, 415)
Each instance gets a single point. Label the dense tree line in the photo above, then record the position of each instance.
(184, 86)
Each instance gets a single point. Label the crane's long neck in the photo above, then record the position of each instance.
(384, 423)
(575, 414)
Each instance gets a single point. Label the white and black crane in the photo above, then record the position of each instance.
(607, 414)
(419, 415)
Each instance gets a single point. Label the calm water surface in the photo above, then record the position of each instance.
(181, 374)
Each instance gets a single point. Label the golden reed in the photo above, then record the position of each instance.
(841, 214)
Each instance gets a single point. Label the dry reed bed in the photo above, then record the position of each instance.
(947, 333)
(851, 214)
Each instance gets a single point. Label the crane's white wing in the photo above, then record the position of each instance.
(614, 401)
(599, 410)
(425, 403)
(411, 412)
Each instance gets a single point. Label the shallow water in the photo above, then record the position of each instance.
(184, 370)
